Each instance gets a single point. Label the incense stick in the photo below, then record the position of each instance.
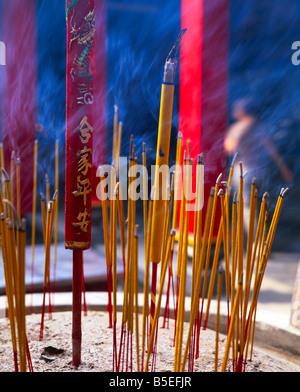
(56, 213)
(33, 228)
(219, 293)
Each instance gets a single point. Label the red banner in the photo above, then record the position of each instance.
(79, 119)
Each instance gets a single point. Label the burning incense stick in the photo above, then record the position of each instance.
(2, 163)
(162, 158)
(18, 184)
(35, 162)
(145, 193)
(43, 210)
(47, 182)
(56, 212)
(115, 135)
(12, 177)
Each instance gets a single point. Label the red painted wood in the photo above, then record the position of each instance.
(19, 90)
(79, 122)
(203, 85)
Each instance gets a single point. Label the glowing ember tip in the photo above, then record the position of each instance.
(171, 61)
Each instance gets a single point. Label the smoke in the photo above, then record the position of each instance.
(51, 88)
(139, 38)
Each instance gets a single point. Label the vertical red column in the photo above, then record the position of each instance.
(19, 89)
(214, 88)
(79, 122)
(80, 69)
(190, 101)
(203, 84)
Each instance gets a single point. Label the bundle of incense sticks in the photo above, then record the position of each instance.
(244, 268)
(13, 243)
(244, 261)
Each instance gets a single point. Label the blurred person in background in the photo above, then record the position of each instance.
(249, 137)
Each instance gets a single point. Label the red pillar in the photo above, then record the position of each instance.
(19, 89)
(203, 84)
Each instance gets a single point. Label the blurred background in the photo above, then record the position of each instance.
(238, 65)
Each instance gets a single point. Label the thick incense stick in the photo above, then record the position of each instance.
(162, 158)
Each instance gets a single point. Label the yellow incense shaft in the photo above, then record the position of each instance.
(12, 176)
(163, 147)
(56, 204)
(3, 167)
(34, 200)
(162, 158)
(115, 134)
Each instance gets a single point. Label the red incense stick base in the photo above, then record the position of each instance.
(76, 307)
